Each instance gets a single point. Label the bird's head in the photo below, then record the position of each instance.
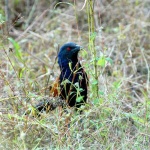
(68, 52)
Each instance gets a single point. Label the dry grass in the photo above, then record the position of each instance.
(119, 119)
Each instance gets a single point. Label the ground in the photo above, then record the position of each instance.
(119, 118)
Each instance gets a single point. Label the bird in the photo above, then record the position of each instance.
(72, 84)
(73, 79)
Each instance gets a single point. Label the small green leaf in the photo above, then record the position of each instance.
(117, 84)
(102, 61)
(136, 118)
(93, 36)
(101, 100)
(94, 82)
(16, 48)
(21, 70)
(108, 59)
(79, 99)
(9, 116)
(96, 101)
(101, 92)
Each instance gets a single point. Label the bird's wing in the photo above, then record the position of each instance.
(55, 89)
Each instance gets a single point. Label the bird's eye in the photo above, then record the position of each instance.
(68, 48)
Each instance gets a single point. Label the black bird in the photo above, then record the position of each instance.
(71, 85)
(73, 79)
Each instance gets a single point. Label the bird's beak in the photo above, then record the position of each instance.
(77, 48)
(80, 47)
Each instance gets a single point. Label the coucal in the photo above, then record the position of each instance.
(72, 83)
